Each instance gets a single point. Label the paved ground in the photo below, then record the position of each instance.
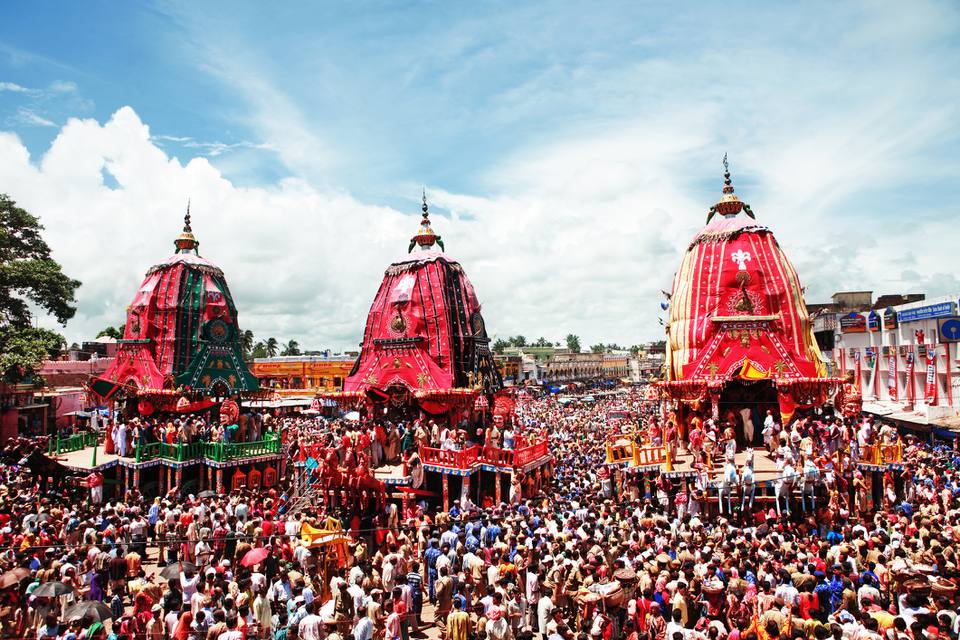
(83, 459)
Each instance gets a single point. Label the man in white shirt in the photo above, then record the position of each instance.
(188, 585)
(544, 611)
(311, 627)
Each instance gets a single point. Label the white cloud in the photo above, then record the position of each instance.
(31, 118)
(63, 86)
(300, 263)
(13, 87)
(589, 233)
(209, 149)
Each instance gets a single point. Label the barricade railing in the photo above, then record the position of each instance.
(452, 458)
(644, 456)
(880, 454)
(216, 451)
(75, 442)
(497, 456)
(524, 456)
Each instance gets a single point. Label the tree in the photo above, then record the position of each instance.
(115, 333)
(28, 276)
(519, 341)
(597, 348)
(292, 348)
(272, 347)
(541, 342)
(246, 343)
(259, 350)
(573, 342)
(499, 345)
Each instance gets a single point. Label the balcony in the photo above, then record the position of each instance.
(450, 458)
(467, 458)
(624, 451)
(214, 451)
(882, 454)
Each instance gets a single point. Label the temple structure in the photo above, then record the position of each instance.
(739, 333)
(425, 345)
(181, 344)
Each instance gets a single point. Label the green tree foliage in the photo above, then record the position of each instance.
(573, 342)
(273, 347)
(597, 348)
(116, 333)
(519, 341)
(542, 342)
(259, 350)
(23, 349)
(246, 343)
(28, 275)
(292, 348)
(499, 345)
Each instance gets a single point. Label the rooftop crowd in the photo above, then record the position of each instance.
(592, 555)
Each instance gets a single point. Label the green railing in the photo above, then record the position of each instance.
(216, 451)
(76, 442)
(144, 452)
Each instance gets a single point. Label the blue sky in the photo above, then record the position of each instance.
(571, 148)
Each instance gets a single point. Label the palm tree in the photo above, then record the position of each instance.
(272, 347)
(115, 333)
(291, 349)
(246, 342)
(259, 350)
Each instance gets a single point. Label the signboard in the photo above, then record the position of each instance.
(905, 349)
(886, 350)
(941, 310)
(889, 318)
(922, 350)
(950, 329)
(853, 323)
(873, 321)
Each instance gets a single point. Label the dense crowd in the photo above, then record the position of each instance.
(593, 555)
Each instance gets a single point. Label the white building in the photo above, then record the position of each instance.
(906, 359)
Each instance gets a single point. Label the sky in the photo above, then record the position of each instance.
(569, 151)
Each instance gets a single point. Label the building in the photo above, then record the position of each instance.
(904, 358)
(22, 412)
(305, 374)
(555, 365)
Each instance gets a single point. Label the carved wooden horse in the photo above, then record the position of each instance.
(747, 483)
(783, 486)
(729, 480)
(808, 486)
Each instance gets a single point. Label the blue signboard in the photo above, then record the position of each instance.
(941, 310)
(873, 321)
(950, 330)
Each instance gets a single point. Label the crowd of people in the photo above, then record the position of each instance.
(592, 555)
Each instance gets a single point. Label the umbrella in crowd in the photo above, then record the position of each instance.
(13, 577)
(90, 609)
(255, 556)
(172, 571)
(53, 589)
(207, 493)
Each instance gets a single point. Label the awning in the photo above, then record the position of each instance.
(416, 492)
(103, 388)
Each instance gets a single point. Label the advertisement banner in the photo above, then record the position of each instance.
(892, 375)
(931, 391)
(910, 388)
(853, 322)
(856, 370)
